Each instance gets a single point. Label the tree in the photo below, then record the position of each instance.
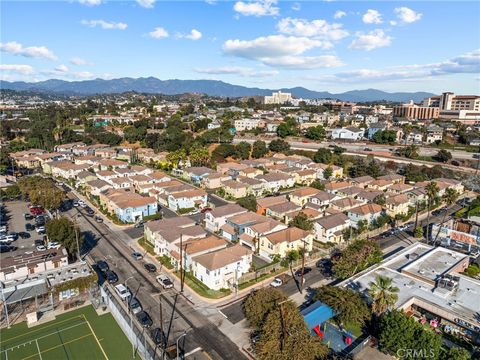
(317, 184)
(222, 152)
(199, 156)
(400, 332)
(443, 156)
(385, 137)
(279, 145)
(177, 157)
(323, 156)
(302, 221)
(41, 191)
(418, 232)
(242, 150)
(347, 304)
(383, 294)
(357, 256)
(432, 191)
(457, 353)
(259, 149)
(63, 230)
(327, 173)
(338, 150)
(287, 128)
(315, 133)
(10, 192)
(259, 304)
(285, 336)
(410, 151)
(380, 199)
(449, 198)
(248, 202)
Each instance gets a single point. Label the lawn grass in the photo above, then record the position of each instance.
(78, 334)
(202, 289)
(146, 246)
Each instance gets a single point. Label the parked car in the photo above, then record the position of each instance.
(3, 229)
(158, 336)
(367, 149)
(140, 224)
(7, 248)
(24, 235)
(5, 241)
(137, 256)
(111, 277)
(98, 219)
(28, 216)
(40, 230)
(41, 248)
(38, 242)
(165, 281)
(82, 203)
(102, 266)
(276, 282)
(204, 210)
(122, 291)
(7, 238)
(29, 227)
(53, 245)
(150, 267)
(75, 203)
(36, 210)
(144, 319)
(14, 235)
(134, 305)
(89, 211)
(306, 270)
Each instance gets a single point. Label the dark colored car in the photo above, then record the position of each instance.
(111, 277)
(7, 248)
(306, 270)
(28, 216)
(14, 235)
(204, 210)
(140, 224)
(144, 319)
(102, 266)
(98, 219)
(150, 267)
(29, 227)
(158, 336)
(39, 242)
(24, 235)
(90, 211)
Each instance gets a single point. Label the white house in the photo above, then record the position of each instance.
(216, 218)
(190, 199)
(367, 212)
(330, 228)
(221, 269)
(349, 133)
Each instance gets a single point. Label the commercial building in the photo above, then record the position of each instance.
(278, 98)
(413, 111)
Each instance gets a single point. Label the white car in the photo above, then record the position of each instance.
(276, 282)
(53, 245)
(3, 229)
(40, 229)
(165, 281)
(122, 291)
(82, 203)
(41, 248)
(75, 204)
(7, 238)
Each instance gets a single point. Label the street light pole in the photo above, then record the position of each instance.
(131, 321)
(181, 336)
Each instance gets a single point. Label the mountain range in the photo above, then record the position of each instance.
(209, 87)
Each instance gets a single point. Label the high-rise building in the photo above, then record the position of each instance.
(278, 98)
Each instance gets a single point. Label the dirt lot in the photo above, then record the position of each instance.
(16, 223)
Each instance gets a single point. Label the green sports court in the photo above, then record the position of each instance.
(78, 334)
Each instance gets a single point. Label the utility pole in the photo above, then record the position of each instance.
(416, 215)
(163, 343)
(181, 263)
(303, 265)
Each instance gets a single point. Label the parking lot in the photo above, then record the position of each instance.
(15, 211)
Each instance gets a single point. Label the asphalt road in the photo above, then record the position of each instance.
(107, 245)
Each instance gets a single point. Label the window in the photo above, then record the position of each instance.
(207, 271)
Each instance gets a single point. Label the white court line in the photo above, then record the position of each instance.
(193, 351)
(38, 348)
(225, 316)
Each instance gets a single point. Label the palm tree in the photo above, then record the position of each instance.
(383, 293)
(449, 198)
(432, 190)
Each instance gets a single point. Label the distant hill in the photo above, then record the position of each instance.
(209, 87)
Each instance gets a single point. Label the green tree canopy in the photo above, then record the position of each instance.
(347, 304)
(248, 202)
(385, 137)
(242, 150)
(63, 231)
(443, 156)
(259, 304)
(41, 191)
(279, 145)
(323, 156)
(259, 149)
(315, 133)
(302, 221)
(358, 256)
(383, 294)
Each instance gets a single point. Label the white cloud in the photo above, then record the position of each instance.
(194, 35)
(39, 52)
(83, 75)
(107, 25)
(339, 14)
(371, 40)
(90, 2)
(62, 68)
(296, 6)
(159, 33)
(468, 63)
(79, 61)
(211, 2)
(407, 15)
(16, 68)
(281, 51)
(148, 4)
(257, 8)
(393, 22)
(319, 29)
(372, 17)
(236, 70)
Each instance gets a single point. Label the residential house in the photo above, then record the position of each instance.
(344, 204)
(309, 212)
(283, 241)
(85, 176)
(434, 133)
(235, 225)
(214, 180)
(394, 178)
(110, 164)
(279, 211)
(397, 205)
(254, 187)
(301, 196)
(95, 187)
(369, 195)
(235, 189)
(276, 181)
(249, 124)
(320, 200)
(367, 212)
(221, 269)
(216, 218)
(196, 173)
(380, 184)
(190, 199)
(329, 229)
(333, 187)
(255, 231)
(337, 171)
(362, 181)
(250, 172)
(264, 203)
(66, 169)
(374, 128)
(349, 133)
(399, 188)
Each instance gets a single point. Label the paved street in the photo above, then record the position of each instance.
(111, 246)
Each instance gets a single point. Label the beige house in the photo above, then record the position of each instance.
(397, 205)
(234, 189)
(329, 229)
(301, 196)
(283, 241)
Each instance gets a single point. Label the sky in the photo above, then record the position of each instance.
(331, 46)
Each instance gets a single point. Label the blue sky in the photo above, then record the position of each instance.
(322, 45)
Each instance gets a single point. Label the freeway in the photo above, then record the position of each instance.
(103, 243)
